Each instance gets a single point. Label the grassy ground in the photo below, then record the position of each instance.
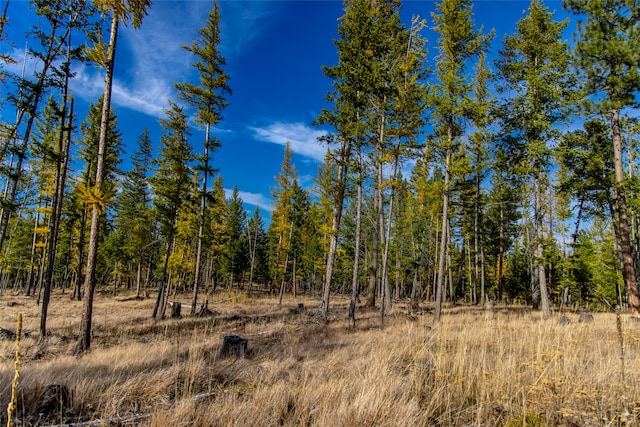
(495, 366)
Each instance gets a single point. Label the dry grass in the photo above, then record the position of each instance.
(497, 366)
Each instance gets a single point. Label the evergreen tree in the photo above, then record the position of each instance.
(459, 43)
(82, 189)
(301, 234)
(256, 240)
(534, 68)
(479, 153)
(104, 56)
(217, 211)
(377, 99)
(502, 216)
(134, 214)
(171, 183)
(281, 226)
(607, 54)
(235, 249)
(53, 53)
(209, 98)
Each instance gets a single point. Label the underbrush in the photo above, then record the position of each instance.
(501, 365)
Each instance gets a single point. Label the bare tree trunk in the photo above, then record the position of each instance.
(385, 254)
(373, 264)
(356, 257)
(252, 254)
(539, 250)
(335, 223)
(286, 262)
(56, 206)
(203, 205)
(628, 269)
(444, 238)
(84, 340)
(162, 286)
(77, 292)
(34, 241)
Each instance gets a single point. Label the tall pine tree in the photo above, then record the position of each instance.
(608, 56)
(209, 98)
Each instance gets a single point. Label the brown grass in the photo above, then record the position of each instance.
(495, 366)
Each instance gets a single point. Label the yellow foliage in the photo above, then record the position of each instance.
(93, 197)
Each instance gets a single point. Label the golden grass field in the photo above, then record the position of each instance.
(494, 366)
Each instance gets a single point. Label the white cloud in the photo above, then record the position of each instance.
(149, 97)
(149, 60)
(255, 199)
(302, 139)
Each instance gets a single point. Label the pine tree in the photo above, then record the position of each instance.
(209, 98)
(53, 147)
(256, 239)
(104, 56)
(171, 183)
(377, 99)
(350, 82)
(607, 54)
(281, 226)
(501, 225)
(479, 149)
(534, 68)
(459, 43)
(134, 214)
(89, 138)
(53, 54)
(586, 176)
(216, 212)
(235, 249)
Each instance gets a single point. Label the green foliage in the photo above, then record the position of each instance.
(606, 50)
(235, 250)
(257, 241)
(171, 180)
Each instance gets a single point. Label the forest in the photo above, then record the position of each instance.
(524, 188)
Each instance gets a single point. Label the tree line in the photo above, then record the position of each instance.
(522, 185)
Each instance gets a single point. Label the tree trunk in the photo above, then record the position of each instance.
(77, 291)
(335, 224)
(203, 205)
(628, 269)
(84, 340)
(443, 238)
(539, 250)
(162, 285)
(56, 207)
(356, 257)
(373, 265)
(385, 254)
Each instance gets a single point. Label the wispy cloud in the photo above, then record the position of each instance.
(302, 139)
(241, 22)
(255, 199)
(151, 59)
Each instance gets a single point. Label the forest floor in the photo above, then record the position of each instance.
(485, 366)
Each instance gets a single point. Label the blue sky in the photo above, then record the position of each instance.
(274, 52)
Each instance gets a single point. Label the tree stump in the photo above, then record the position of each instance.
(564, 320)
(176, 310)
(585, 317)
(233, 345)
